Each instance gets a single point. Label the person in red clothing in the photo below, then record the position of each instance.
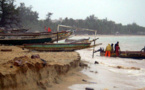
(116, 45)
(49, 30)
(117, 49)
(45, 28)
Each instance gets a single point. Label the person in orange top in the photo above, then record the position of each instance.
(108, 50)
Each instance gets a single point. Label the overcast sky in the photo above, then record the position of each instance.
(120, 11)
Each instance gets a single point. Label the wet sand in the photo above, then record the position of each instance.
(73, 77)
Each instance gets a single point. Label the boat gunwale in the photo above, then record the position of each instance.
(55, 43)
(34, 34)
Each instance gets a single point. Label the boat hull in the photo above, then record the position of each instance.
(33, 38)
(127, 54)
(24, 41)
(57, 47)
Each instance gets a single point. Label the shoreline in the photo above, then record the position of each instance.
(112, 35)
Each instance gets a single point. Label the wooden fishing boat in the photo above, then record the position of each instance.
(1, 31)
(18, 30)
(12, 30)
(58, 46)
(30, 38)
(77, 41)
(127, 54)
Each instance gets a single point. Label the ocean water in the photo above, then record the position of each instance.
(106, 75)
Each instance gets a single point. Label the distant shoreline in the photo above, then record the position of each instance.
(113, 35)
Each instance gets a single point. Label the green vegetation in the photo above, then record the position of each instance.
(8, 14)
(24, 17)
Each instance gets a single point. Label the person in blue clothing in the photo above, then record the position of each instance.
(112, 50)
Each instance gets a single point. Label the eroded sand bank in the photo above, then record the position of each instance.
(51, 71)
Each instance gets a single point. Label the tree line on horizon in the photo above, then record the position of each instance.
(23, 17)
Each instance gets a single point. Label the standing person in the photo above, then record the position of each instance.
(112, 50)
(45, 28)
(143, 49)
(49, 30)
(117, 50)
(116, 45)
(108, 50)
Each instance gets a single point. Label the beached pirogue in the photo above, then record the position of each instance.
(127, 54)
(30, 38)
(60, 46)
(74, 40)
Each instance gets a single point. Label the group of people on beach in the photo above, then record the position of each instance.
(110, 49)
